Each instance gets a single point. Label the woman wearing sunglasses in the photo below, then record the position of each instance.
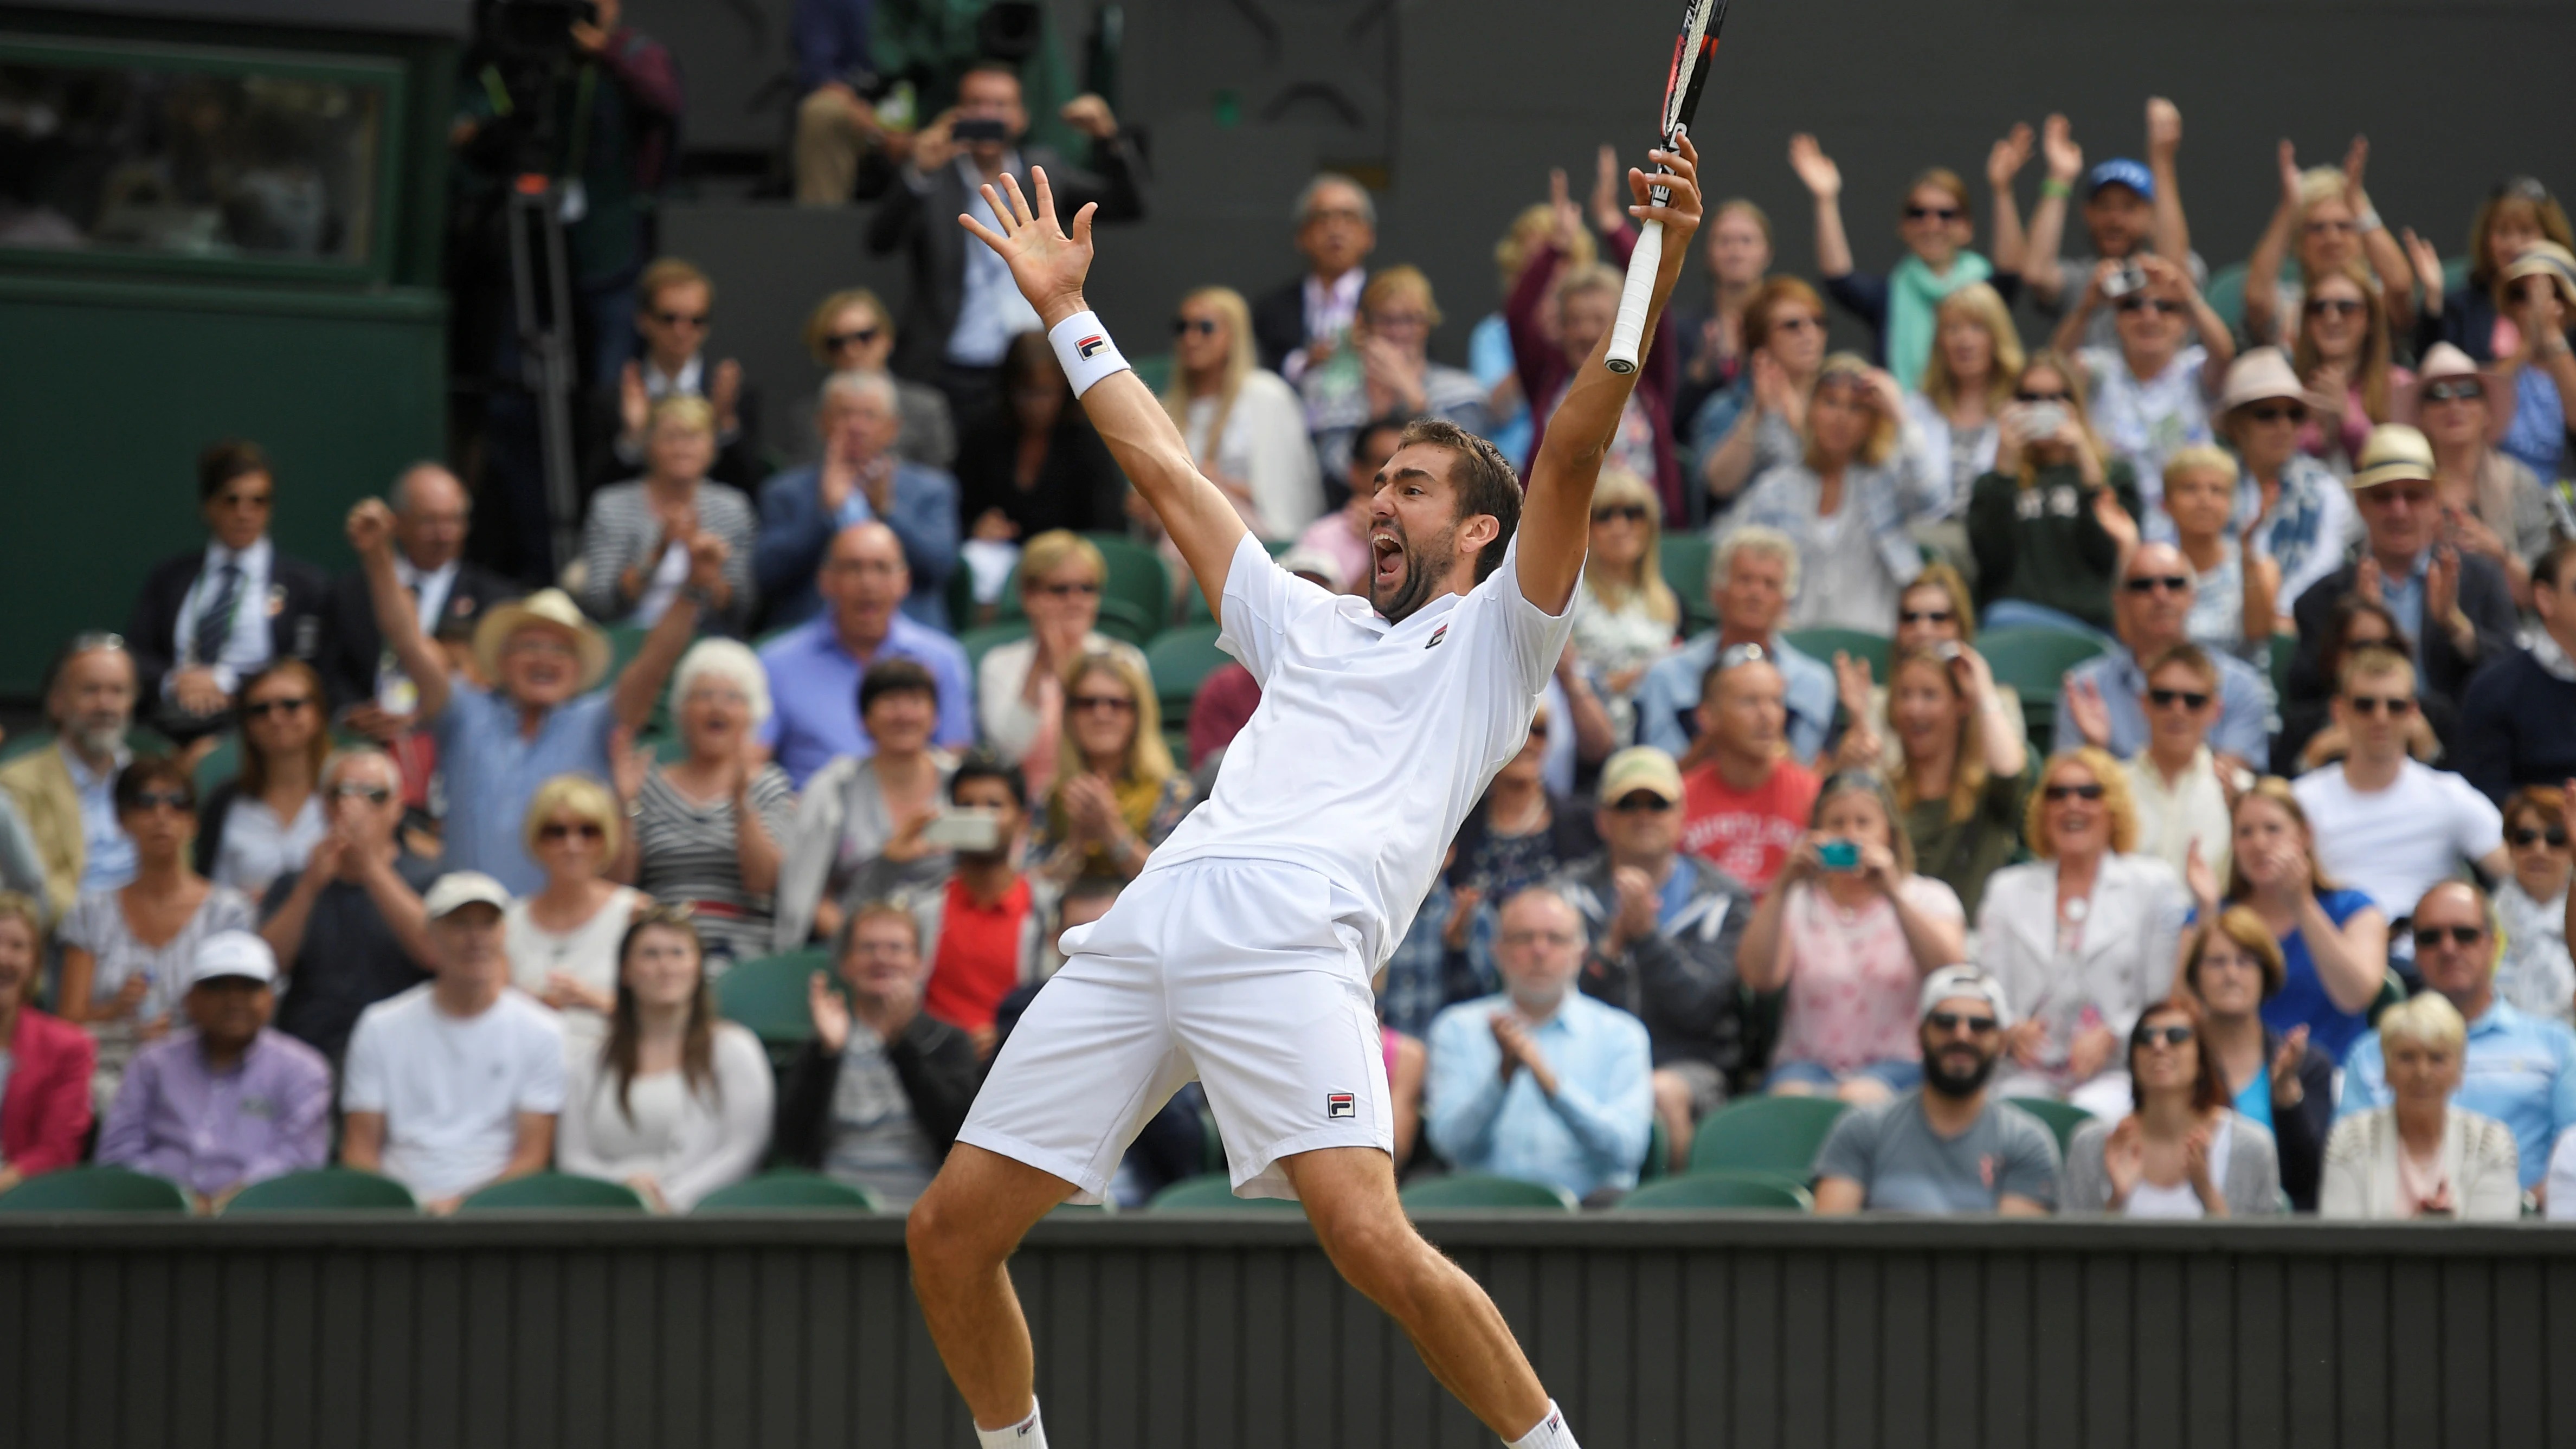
(1019, 686)
(2492, 504)
(2052, 521)
(2088, 935)
(1625, 615)
(2326, 222)
(2333, 941)
(562, 940)
(1117, 793)
(2151, 394)
(2518, 212)
(126, 951)
(2531, 905)
(2277, 1080)
(2182, 1151)
(2342, 354)
(262, 823)
(2539, 297)
(2287, 505)
(1244, 425)
(849, 331)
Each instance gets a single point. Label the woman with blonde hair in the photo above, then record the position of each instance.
(1387, 369)
(1489, 346)
(2084, 938)
(1962, 772)
(2419, 1156)
(1019, 686)
(851, 331)
(635, 545)
(2333, 942)
(1244, 425)
(1117, 792)
(1625, 615)
(562, 939)
(2057, 516)
(1848, 503)
(2342, 355)
(2326, 221)
(1967, 382)
(2518, 212)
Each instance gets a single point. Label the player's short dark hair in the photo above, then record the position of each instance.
(984, 765)
(1484, 480)
(896, 676)
(222, 462)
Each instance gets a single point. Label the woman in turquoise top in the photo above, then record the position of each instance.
(2334, 942)
(2277, 1079)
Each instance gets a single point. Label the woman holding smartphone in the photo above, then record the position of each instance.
(2052, 523)
(1850, 930)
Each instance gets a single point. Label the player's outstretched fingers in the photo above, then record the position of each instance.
(1082, 223)
(983, 233)
(1046, 196)
(1019, 204)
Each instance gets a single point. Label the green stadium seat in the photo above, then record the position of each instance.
(1659, 1152)
(625, 641)
(1683, 557)
(1180, 660)
(1822, 644)
(1483, 1190)
(324, 1189)
(2226, 295)
(1155, 371)
(219, 764)
(94, 1190)
(554, 1192)
(1137, 579)
(2285, 647)
(979, 642)
(2392, 991)
(1122, 620)
(1735, 1190)
(1765, 1134)
(768, 994)
(2035, 661)
(788, 1190)
(2062, 1118)
(1211, 1190)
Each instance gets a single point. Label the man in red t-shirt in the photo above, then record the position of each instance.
(1745, 798)
(984, 925)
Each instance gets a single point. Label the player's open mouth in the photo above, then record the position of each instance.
(1389, 557)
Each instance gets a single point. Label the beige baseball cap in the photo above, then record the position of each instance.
(1640, 767)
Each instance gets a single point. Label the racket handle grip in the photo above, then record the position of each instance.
(1634, 296)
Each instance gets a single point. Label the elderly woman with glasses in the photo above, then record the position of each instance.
(562, 939)
(1019, 686)
(1850, 931)
(126, 951)
(2182, 1152)
(707, 827)
(2418, 1156)
(2084, 938)
(1244, 425)
(2536, 974)
(262, 823)
(1849, 501)
(636, 544)
(1117, 793)
(850, 331)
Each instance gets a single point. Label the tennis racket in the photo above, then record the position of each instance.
(1692, 51)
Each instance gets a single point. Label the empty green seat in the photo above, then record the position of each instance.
(979, 642)
(1212, 1190)
(1683, 560)
(1138, 586)
(94, 1190)
(554, 1192)
(1721, 1190)
(788, 1190)
(220, 763)
(1765, 1134)
(1483, 1190)
(324, 1189)
(1180, 661)
(1822, 644)
(2062, 1118)
(769, 993)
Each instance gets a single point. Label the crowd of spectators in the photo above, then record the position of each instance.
(2266, 880)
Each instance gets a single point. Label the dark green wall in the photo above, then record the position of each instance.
(108, 389)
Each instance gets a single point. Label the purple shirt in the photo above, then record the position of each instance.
(177, 1118)
(814, 691)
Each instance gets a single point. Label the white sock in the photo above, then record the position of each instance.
(1550, 1433)
(1030, 1434)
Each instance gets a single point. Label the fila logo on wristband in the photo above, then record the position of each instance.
(1091, 344)
(1083, 349)
(1340, 1104)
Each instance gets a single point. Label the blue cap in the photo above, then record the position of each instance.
(2120, 171)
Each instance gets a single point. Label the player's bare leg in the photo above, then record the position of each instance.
(961, 1234)
(1349, 1195)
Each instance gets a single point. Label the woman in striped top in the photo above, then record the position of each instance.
(708, 826)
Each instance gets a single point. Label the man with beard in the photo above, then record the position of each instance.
(65, 794)
(1943, 1148)
(1241, 955)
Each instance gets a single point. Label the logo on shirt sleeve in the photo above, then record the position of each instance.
(1437, 635)
(1090, 345)
(1340, 1104)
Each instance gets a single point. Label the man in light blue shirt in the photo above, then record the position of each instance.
(814, 670)
(1751, 579)
(2519, 1070)
(1541, 1082)
(2104, 700)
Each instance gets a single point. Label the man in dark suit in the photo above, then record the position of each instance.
(962, 309)
(674, 316)
(431, 515)
(1297, 325)
(209, 617)
(2453, 604)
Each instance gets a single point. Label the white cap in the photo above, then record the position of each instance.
(233, 953)
(459, 888)
(1955, 981)
(1322, 565)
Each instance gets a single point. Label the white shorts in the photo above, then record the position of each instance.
(1233, 972)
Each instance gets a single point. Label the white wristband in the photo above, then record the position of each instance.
(1083, 347)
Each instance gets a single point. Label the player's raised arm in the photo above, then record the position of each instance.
(1556, 512)
(1049, 264)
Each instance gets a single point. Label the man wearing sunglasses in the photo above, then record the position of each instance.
(2386, 825)
(2519, 1069)
(2104, 700)
(348, 929)
(2518, 720)
(2454, 604)
(1663, 927)
(2149, 395)
(675, 305)
(1943, 1147)
(2181, 798)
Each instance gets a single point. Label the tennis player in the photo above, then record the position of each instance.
(1241, 956)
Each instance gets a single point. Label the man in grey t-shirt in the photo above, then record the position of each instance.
(1944, 1148)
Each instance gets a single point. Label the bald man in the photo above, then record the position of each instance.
(814, 669)
(432, 513)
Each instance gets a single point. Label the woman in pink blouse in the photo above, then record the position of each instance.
(1850, 930)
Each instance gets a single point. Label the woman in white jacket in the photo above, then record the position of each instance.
(2086, 936)
(1246, 427)
(676, 1102)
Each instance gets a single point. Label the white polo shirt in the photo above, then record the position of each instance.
(1373, 740)
(2395, 844)
(452, 1088)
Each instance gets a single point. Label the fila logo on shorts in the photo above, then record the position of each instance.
(1437, 635)
(1091, 344)
(1340, 1104)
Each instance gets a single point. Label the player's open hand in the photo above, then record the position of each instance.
(1680, 179)
(1048, 262)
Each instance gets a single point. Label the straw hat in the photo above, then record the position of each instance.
(546, 608)
(2261, 373)
(2546, 259)
(2394, 454)
(2445, 363)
